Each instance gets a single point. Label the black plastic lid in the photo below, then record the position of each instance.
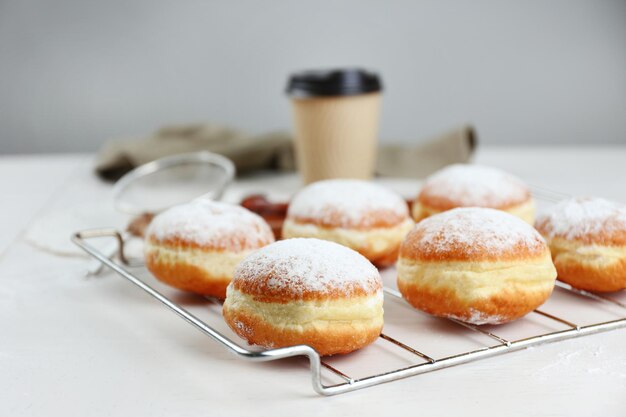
(334, 82)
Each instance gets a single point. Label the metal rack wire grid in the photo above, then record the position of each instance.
(316, 363)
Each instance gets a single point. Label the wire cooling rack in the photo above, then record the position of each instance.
(423, 362)
(427, 363)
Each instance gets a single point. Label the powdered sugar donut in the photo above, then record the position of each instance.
(306, 291)
(358, 214)
(477, 265)
(587, 237)
(196, 246)
(466, 185)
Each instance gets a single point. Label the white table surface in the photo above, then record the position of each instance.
(71, 345)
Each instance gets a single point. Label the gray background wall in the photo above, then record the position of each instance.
(75, 72)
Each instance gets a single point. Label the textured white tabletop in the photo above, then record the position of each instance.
(71, 345)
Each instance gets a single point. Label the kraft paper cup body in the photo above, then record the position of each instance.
(336, 136)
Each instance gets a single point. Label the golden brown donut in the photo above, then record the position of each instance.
(477, 265)
(587, 237)
(358, 214)
(196, 246)
(467, 185)
(306, 291)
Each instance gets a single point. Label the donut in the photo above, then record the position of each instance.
(363, 216)
(476, 265)
(196, 246)
(466, 185)
(306, 291)
(587, 237)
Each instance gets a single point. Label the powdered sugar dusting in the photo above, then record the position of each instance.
(476, 230)
(578, 217)
(478, 317)
(475, 185)
(243, 328)
(305, 265)
(347, 202)
(580, 359)
(207, 222)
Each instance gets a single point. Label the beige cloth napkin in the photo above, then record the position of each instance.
(274, 151)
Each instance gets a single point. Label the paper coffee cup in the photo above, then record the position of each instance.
(336, 117)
